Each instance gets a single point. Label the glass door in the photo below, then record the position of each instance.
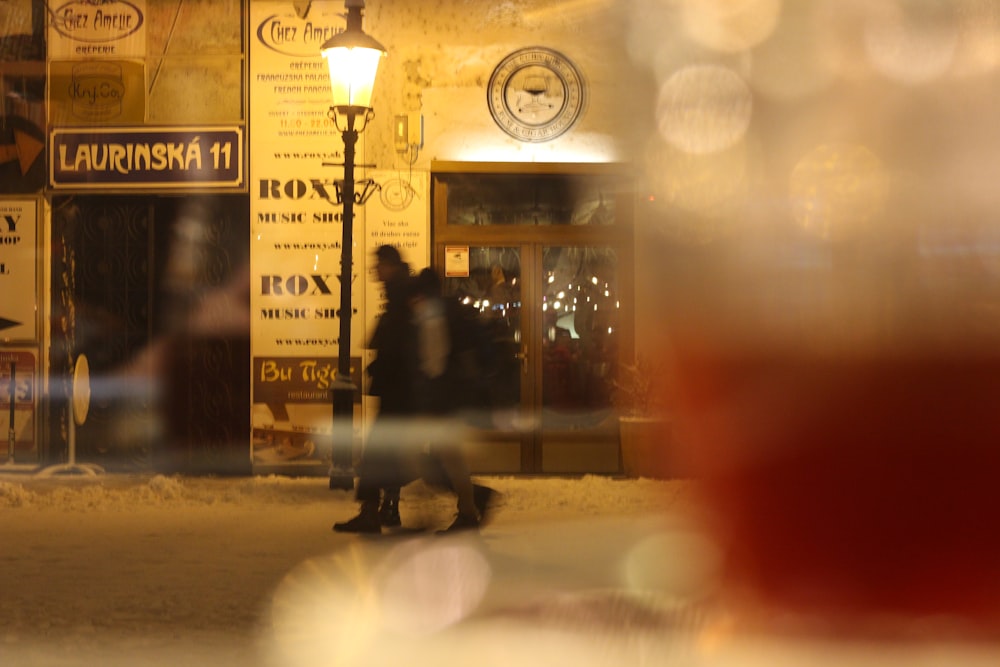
(488, 281)
(552, 319)
(539, 256)
(578, 343)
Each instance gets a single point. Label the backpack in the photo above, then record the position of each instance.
(472, 358)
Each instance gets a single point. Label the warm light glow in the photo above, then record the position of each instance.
(713, 185)
(487, 146)
(704, 109)
(353, 59)
(912, 46)
(838, 189)
(731, 25)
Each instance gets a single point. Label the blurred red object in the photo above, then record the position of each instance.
(850, 486)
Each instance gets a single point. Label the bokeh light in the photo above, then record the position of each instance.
(730, 25)
(913, 42)
(680, 564)
(432, 585)
(704, 109)
(977, 52)
(713, 186)
(836, 190)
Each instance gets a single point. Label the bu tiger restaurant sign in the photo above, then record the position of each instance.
(147, 158)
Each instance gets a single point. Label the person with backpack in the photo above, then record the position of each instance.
(438, 384)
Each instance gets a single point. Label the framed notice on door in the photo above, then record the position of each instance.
(18, 375)
(456, 261)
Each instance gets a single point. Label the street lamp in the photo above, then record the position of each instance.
(353, 58)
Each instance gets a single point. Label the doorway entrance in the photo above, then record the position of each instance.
(151, 290)
(544, 257)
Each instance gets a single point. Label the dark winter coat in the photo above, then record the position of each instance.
(393, 342)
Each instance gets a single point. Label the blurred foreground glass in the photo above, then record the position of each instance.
(841, 405)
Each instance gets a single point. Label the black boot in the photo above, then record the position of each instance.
(388, 514)
(484, 498)
(367, 521)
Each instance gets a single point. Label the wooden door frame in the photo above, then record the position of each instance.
(530, 240)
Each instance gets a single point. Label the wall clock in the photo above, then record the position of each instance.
(535, 94)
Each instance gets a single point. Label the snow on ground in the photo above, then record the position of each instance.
(156, 570)
(150, 571)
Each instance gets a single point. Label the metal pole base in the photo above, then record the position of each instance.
(22, 468)
(84, 469)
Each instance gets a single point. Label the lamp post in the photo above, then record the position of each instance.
(352, 58)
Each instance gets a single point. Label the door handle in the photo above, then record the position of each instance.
(523, 356)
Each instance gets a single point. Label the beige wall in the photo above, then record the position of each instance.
(441, 55)
(194, 63)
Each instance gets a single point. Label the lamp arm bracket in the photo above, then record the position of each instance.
(368, 188)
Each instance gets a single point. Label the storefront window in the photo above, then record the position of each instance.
(535, 199)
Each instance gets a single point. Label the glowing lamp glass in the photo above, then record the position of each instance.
(352, 73)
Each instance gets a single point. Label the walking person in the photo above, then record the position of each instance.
(437, 386)
(388, 462)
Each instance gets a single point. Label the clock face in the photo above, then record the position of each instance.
(535, 94)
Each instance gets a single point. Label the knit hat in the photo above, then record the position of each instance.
(388, 254)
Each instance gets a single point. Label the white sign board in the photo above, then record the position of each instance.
(84, 29)
(18, 269)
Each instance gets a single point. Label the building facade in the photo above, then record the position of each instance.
(604, 179)
(178, 230)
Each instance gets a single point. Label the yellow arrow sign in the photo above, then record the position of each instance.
(25, 150)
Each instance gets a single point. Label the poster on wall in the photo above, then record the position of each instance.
(18, 269)
(17, 405)
(295, 227)
(292, 410)
(399, 215)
